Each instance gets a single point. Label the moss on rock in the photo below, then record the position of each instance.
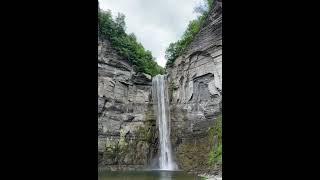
(202, 153)
(215, 154)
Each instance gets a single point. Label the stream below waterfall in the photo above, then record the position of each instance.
(146, 175)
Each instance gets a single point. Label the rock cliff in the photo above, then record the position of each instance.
(126, 123)
(195, 81)
(127, 130)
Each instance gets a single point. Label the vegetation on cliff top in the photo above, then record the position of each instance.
(176, 49)
(127, 45)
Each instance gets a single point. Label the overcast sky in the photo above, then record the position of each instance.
(156, 23)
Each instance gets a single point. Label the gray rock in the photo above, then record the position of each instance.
(126, 133)
(142, 78)
(195, 92)
(127, 130)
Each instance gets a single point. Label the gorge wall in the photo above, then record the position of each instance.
(127, 129)
(126, 122)
(195, 81)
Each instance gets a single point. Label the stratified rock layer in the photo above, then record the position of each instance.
(126, 122)
(127, 130)
(196, 96)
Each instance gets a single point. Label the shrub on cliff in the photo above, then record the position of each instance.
(176, 49)
(127, 45)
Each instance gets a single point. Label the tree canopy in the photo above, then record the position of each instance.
(127, 45)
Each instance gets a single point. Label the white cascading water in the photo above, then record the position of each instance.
(161, 105)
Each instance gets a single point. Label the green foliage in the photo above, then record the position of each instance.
(215, 155)
(176, 49)
(210, 3)
(127, 45)
(120, 21)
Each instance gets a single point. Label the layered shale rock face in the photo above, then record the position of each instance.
(126, 122)
(195, 81)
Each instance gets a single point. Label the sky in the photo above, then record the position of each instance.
(156, 23)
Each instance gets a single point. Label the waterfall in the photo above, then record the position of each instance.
(161, 105)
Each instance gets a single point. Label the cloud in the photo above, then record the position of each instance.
(156, 23)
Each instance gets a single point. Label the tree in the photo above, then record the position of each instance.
(203, 7)
(133, 36)
(120, 21)
(127, 45)
(176, 49)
